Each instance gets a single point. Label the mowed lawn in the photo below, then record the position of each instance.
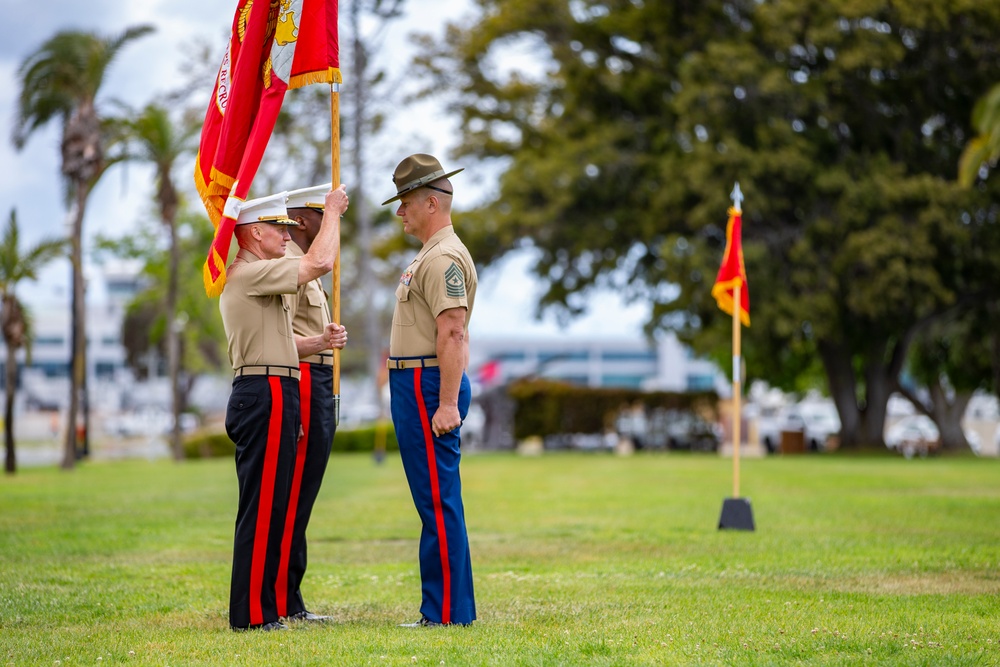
(580, 559)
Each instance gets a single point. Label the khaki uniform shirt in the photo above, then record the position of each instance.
(313, 311)
(442, 276)
(257, 305)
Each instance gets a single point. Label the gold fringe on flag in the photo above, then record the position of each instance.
(214, 287)
(331, 75)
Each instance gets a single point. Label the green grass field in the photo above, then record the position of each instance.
(579, 560)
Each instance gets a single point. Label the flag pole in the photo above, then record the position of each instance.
(736, 391)
(335, 288)
(736, 511)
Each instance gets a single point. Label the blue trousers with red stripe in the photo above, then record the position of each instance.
(431, 465)
(311, 458)
(262, 418)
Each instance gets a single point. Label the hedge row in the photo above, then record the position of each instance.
(545, 407)
(209, 444)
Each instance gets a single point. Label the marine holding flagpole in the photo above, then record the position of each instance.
(314, 333)
(263, 414)
(273, 47)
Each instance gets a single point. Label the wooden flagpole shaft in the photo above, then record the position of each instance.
(736, 391)
(335, 289)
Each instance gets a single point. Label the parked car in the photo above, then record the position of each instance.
(817, 420)
(688, 431)
(913, 435)
(919, 435)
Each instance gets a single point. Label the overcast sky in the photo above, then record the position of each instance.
(150, 65)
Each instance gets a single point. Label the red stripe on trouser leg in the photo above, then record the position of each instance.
(281, 583)
(265, 502)
(425, 425)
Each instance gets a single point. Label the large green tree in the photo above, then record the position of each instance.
(619, 138)
(18, 264)
(61, 81)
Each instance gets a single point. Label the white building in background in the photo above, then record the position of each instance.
(663, 365)
(44, 384)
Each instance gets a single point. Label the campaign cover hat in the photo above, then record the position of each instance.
(270, 209)
(314, 197)
(415, 172)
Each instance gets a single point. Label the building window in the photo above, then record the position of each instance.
(104, 369)
(626, 381)
(49, 340)
(701, 382)
(638, 355)
(52, 369)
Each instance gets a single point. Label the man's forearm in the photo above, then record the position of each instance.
(307, 346)
(451, 360)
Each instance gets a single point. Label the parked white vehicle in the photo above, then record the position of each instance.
(913, 434)
(918, 434)
(818, 420)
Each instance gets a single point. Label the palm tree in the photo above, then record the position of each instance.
(150, 136)
(61, 80)
(15, 324)
(985, 147)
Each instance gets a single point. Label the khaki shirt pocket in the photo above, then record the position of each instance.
(285, 319)
(404, 307)
(316, 299)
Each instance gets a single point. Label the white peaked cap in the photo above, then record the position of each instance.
(265, 209)
(314, 197)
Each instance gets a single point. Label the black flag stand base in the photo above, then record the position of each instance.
(736, 514)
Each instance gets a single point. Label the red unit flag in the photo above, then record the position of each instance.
(732, 273)
(274, 46)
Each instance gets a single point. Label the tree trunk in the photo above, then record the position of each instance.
(879, 382)
(947, 414)
(78, 353)
(860, 425)
(10, 465)
(843, 389)
(173, 345)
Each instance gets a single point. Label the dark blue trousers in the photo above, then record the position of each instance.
(262, 418)
(431, 465)
(311, 458)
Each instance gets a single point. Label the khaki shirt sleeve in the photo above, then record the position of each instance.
(443, 284)
(271, 276)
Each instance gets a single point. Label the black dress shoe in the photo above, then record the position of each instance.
(310, 617)
(424, 622)
(265, 627)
